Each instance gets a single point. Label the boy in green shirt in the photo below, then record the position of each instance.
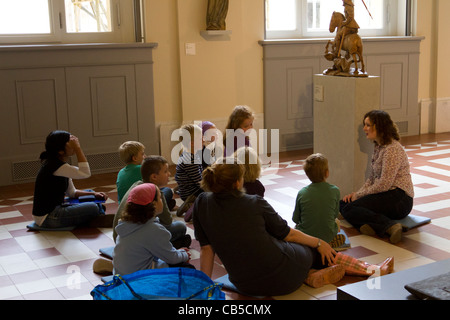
(317, 205)
(132, 154)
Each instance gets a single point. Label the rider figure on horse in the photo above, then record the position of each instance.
(349, 25)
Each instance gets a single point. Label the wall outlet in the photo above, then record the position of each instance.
(191, 49)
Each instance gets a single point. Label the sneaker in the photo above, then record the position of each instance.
(186, 205)
(395, 233)
(320, 278)
(387, 266)
(103, 267)
(367, 230)
(183, 242)
(338, 241)
(188, 214)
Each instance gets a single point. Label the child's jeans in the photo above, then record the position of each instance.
(72, 215)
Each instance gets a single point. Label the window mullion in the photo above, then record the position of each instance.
(57, 19)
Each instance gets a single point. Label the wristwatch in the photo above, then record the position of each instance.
(318, 244)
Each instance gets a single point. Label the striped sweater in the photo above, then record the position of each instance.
(188, 174)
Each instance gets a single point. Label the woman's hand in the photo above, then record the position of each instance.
(350, 197)
(327, 253)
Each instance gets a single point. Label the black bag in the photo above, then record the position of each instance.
(434, 288)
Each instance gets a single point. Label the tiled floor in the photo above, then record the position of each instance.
(58, 265)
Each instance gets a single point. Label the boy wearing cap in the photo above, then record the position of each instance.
(143, 243)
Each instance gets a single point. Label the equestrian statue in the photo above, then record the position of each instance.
(348, 40)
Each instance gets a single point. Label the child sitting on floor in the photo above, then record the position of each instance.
(154, 169)
(317, 205)
(142, 243)
(189, 168)
(208, 153)
(239, 122)
(132, 154)
(252, 163)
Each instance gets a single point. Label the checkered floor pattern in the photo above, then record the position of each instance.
(58, 265)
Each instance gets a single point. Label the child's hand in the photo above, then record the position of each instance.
(101, 196)
(74, 143)
(188, 253)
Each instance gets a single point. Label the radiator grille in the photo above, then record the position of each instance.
(403, 127)
(25, 170)
(100, 162)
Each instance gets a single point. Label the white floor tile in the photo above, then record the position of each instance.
(33, 242)
(9, 292)
(10, 214)
(17, 263)
(433, 206)
(431, 240)
(35, 286)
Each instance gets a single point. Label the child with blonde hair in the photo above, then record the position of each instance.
(317, 205)
(189, 168)
(252, 164)
(132, 154)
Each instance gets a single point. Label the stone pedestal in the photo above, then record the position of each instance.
(339, 107)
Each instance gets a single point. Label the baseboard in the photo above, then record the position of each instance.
(434, 115)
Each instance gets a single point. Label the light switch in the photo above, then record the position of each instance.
(318, 93)
(191, 49)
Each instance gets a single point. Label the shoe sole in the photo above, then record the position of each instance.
(326, 276)
(338, 241)
(396, 234)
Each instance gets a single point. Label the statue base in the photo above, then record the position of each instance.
(338, 127)
(351, 73)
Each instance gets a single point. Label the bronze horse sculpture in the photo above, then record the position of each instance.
(351, 44)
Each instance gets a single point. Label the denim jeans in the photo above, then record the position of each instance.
(378, 210)
(168, 194)
(72, 215)
(177, 229)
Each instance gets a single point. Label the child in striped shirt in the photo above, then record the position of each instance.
(189, 168)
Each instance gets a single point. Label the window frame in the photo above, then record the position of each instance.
(400, 27)
(123, 30)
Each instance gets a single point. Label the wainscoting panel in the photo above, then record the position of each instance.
(102, 101)
(103, 93)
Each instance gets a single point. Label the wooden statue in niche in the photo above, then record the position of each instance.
(216, 14)
(348, 40)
